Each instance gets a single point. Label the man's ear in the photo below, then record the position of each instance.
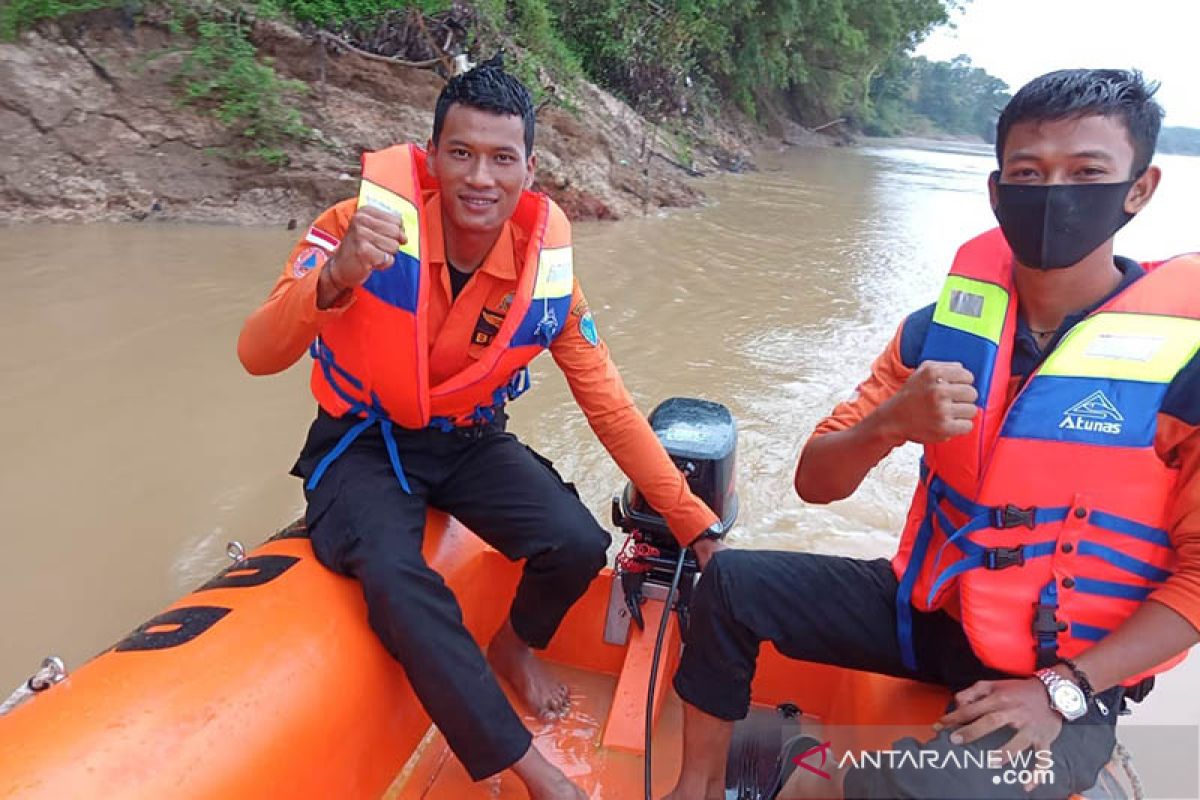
(430, 158)
(530, 170)
(1142, 190)
(993, 181)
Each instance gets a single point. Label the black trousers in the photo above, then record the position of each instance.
(363, 524)
(842, 611)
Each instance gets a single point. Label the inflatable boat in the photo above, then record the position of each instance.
(266, 682)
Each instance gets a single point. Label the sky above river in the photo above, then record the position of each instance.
(1017, 40)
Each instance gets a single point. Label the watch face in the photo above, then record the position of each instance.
(1069, 700)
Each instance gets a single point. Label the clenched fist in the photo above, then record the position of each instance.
(371, 242)
(936, 403)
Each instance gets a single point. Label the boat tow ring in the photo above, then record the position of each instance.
(236, 551)
(51, 672)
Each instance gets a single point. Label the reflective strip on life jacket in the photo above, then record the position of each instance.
(974, 307)
(398, 285)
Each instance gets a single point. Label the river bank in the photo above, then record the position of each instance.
(92, 129)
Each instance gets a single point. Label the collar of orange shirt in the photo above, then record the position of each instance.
(500, 262)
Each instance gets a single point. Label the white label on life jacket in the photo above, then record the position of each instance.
(1125, 347)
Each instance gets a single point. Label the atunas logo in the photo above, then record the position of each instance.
(1094, 413)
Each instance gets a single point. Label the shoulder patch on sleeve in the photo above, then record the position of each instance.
(587, 326)
(307, 260)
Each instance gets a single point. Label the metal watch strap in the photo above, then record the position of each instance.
(1052, 681)
(1048, 677)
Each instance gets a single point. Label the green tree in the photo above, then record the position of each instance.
(915, 95)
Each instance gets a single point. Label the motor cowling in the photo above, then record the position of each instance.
(701, 438)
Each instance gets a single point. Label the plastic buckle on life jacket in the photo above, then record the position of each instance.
(1046, 628)
(1003, 557)
(1045, 623)
(1012, 517)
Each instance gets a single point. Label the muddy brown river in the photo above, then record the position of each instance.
(135, 446)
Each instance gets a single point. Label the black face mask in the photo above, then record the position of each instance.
(1050, 227)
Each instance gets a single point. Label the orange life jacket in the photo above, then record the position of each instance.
(372, 360)
(1050, 516)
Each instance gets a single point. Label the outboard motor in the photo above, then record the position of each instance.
(701, 438)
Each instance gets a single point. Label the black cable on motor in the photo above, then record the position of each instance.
(658, 644)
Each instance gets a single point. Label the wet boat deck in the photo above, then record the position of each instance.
(573, 744)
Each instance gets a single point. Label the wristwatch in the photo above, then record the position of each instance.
(1065, 697)
(715, 532)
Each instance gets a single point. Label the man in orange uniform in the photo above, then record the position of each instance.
(417, 350)
(1050, 564)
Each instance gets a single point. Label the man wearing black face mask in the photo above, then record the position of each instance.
(1050, 564)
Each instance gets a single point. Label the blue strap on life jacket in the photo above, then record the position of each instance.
(1088, 633)
(908, 581)
(975, 556)
(374, 413)
(547, 327)
(951, 495)
(371, 414)
(1001, 518)
(1123, 561)
(517, 385)
(443, 424)
(1045, 625)
(1127, 527)
(904, 592)
(996, 558)
(1122, 591)
(990, 558)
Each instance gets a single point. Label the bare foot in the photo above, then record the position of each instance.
(514, 661)
(705, 744)
(544, 780)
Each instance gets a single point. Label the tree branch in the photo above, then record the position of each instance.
(342, 43)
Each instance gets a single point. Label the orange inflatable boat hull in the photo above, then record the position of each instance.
(268, 683)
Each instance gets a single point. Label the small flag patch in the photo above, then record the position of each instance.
(321, 239)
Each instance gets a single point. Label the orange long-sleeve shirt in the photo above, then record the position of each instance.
(279, 332)
(1177, 440)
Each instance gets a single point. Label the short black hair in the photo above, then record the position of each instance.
(1069, 93)
(489, 88)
